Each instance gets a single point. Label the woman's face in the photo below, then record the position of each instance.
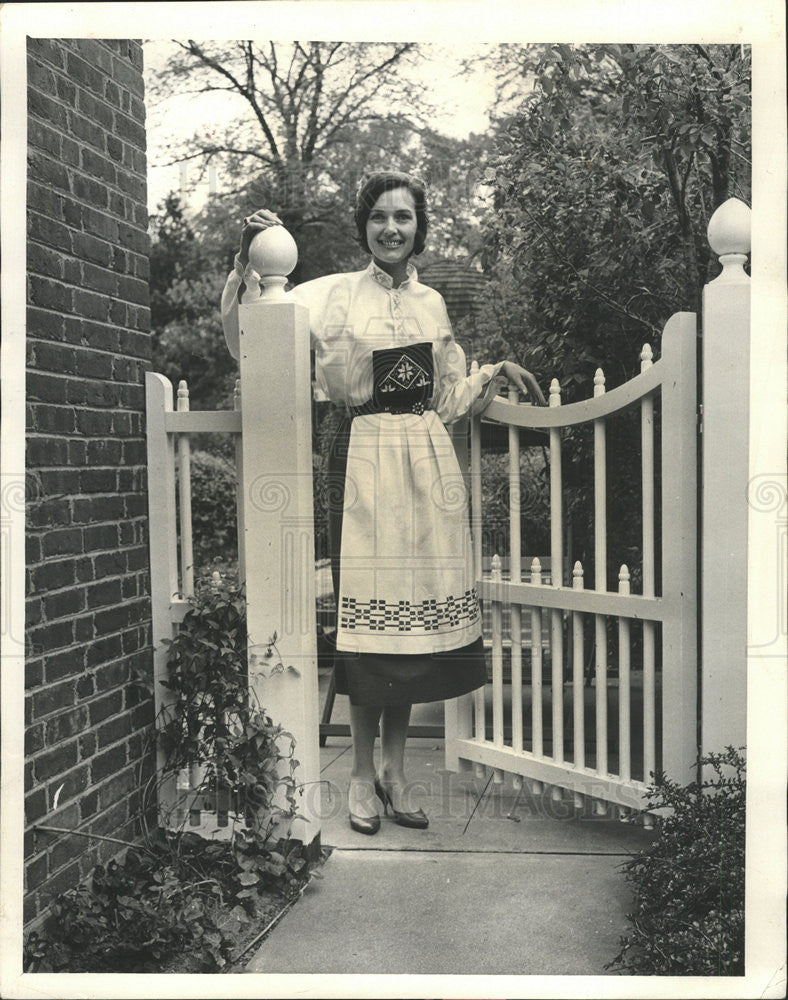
(391, 227)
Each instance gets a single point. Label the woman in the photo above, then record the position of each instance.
(408, 619)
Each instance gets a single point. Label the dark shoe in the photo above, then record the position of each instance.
(415, 821)
(364, 824)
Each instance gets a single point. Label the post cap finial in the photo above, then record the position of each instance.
(273, 254)
(730, 228)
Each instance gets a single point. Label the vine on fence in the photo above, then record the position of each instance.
(179, 894)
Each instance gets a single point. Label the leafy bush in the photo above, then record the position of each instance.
(179, 895)
(689, 884)
(213, 722)
(214, 526)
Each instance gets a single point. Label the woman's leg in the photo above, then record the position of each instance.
(362, 800)
(393, 734)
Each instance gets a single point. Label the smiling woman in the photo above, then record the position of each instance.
(408, 619)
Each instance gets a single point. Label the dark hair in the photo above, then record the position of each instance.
(373, 186)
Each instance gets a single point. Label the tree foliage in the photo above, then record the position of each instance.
(603, 183)
(309, 121)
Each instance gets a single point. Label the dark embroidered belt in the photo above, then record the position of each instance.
(371, 407)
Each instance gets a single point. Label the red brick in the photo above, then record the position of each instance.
(45, 170)
(71, 784)
(112, 675)
(107, 763)
(34, 739)
(116, 788)
(92, 248)
(102, 708)
(52, 699)
(53, 636)
(64, 664)
(87, 745)
(44, 260)
(63, 603)
(98, 166)
(66, 724)
(40, 135)
(89, 189)
(56, 761)
(50, 294)
(50, 511)
(35, 805)
(41, 106)
(94, 423)
(53, 419)
(90, 305)
(36, 872)
(100, 280)
(84, 74)
(113, 731)
(96, 110)
(45, 229)
(88, 805)
(101, 536)
(62, 541)
(63, 880)
(46, 49)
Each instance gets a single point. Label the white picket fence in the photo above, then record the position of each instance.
(531, 745)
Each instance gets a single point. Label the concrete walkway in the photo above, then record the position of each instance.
(500, 883)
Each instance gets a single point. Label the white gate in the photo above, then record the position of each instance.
(547, 739)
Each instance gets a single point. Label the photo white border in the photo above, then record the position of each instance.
(761, 24)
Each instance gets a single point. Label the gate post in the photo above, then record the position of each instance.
(278, 516)
(725, 440)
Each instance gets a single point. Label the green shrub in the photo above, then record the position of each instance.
(689, 884)
(179, 895)
(214, 530)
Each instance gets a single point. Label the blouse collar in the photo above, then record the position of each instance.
(384, 278)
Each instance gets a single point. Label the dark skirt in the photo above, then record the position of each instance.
(396, 678)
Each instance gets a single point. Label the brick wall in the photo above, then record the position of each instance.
(88, 610)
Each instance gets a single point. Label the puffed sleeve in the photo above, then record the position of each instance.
(457, 393)
(230, 297)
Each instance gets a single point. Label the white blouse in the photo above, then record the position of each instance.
(353, 314)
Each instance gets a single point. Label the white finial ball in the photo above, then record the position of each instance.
(730, 228)
(273, 252)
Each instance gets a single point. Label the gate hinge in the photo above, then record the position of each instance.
(700, 418)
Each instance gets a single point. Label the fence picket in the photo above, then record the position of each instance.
(497, 659)
(479, 724)
(600, 576)
(515, 550)
(578, 688)
(185, 498)
(556, 564)
(624, 751)
(537, 741)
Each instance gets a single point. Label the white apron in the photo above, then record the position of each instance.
(406, 576)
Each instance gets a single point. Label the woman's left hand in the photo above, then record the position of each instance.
(524, 381)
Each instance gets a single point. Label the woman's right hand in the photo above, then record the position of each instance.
(252, 225)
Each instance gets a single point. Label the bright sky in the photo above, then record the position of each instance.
(464, 100)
